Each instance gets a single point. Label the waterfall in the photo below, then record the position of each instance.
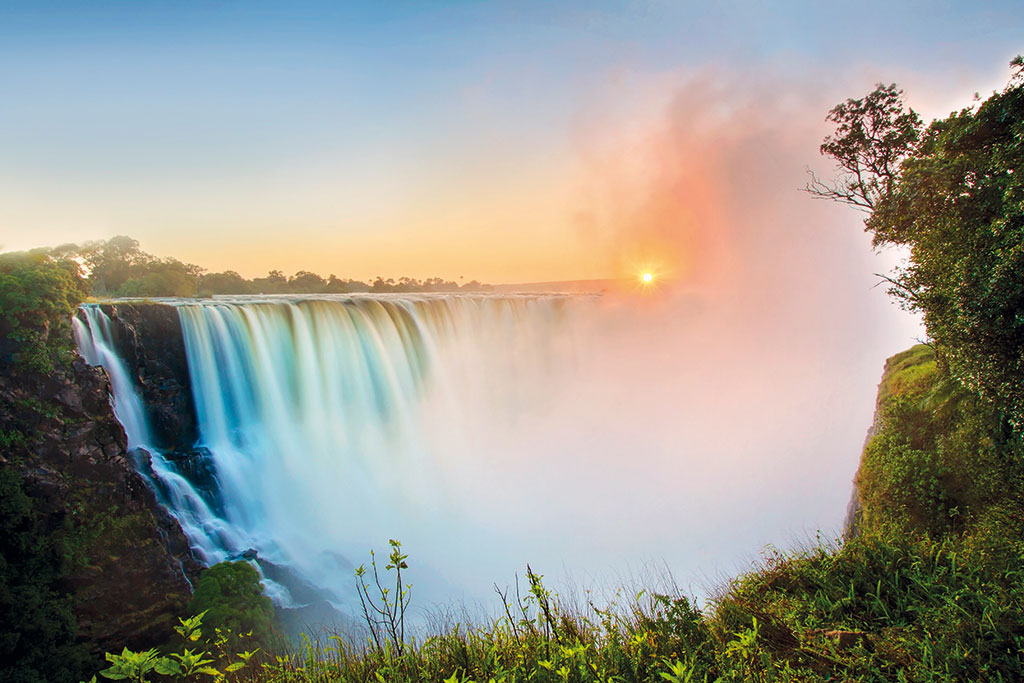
(589, 434)
(212, 539)
(334, 424)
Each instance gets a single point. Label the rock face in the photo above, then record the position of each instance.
(131, 566)
(150, 341)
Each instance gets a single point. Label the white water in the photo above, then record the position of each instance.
(330, 422)
(587, 436)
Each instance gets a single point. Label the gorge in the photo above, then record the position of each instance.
(302, 432)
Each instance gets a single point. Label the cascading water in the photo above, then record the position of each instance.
(591, 434)
(333, 424)
(211, 538)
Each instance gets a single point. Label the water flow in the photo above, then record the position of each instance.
(322, 416)
(596, 435)
(212, 539)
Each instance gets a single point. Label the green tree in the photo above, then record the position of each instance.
(38, 295)
(228, 282)
(274, 283)
(161, 277)
(112, 263)
(305, 282)
(873, 135)
(954, 197)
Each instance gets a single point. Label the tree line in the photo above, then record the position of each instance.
(119, 267)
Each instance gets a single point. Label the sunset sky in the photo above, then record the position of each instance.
(502, 141)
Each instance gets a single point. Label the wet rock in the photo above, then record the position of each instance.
(149, 339)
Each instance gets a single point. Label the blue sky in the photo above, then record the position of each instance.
(363, 128)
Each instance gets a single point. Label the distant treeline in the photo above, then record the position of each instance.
(118, 267)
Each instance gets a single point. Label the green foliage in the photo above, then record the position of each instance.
(37, 627)
(231, 597)
(214, 660)
(384, 608)
(228, 282)
(956, 201)
(38, 295)
(880, 608)
(161, 277)
(111, 263)
(939, 457)
(131, 666)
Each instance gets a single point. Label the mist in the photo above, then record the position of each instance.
(691, 424)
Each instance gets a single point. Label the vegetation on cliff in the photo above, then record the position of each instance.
(230, 598)
(37, 625)
(38, 295)
(953, 196)
(87, 557)
(38, 629)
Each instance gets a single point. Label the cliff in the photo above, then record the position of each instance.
(127, 564)
(150, 341)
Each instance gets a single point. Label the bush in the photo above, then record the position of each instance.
(230, 596)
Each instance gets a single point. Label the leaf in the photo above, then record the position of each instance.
(167, 667)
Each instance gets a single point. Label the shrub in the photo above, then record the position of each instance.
(231, 596)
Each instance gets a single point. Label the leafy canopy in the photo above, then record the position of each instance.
(954, 197)
(38, 295)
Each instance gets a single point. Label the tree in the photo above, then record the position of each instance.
(37, 298)
(274, 283)
(954, 197)
(161, 277)
(873, 135)
(112, 263)
(228, 282)
(306, 282)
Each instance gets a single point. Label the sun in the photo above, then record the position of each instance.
(647, 277)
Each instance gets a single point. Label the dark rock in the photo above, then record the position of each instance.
(149, 339)
(131, 568)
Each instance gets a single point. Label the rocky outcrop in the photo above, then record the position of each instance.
(130, 566)
(150, 341)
